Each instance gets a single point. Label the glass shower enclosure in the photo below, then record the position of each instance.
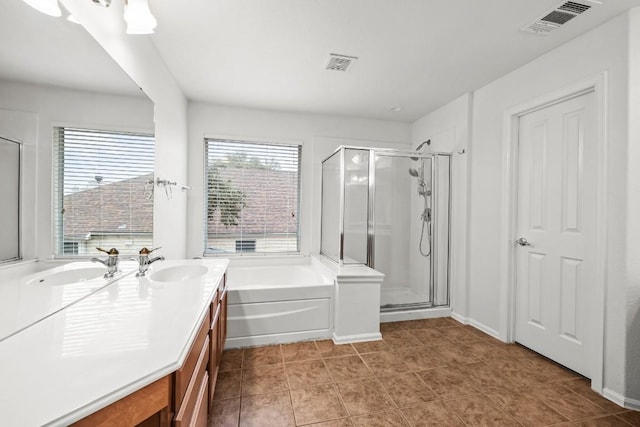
(389, 210)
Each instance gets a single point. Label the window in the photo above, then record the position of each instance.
(252, 197)
(103, 184)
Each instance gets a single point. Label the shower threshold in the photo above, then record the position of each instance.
(403, 307)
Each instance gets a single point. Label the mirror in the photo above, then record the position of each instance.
(54, 75)
(10, 194)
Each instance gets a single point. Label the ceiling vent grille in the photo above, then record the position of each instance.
(574, 7)
(556, 17)
(340, 62)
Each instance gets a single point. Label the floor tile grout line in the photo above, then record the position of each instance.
(591, 401)
(586, 399)
(336, 389)
(529, 396)
(622, 419)
(241, 384)
(529, 359)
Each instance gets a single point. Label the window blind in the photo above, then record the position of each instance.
(252, 197)
(103, 188)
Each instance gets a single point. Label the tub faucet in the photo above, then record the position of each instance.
(144, 262)
(111, 262)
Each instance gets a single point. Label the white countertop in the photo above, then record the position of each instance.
(24, 301)
(103, 347)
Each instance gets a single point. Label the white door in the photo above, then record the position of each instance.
(556, 217)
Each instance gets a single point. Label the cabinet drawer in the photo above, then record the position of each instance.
(184, 374)
(188, 408)
(200, 417)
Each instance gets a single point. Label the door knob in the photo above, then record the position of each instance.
(523, 242)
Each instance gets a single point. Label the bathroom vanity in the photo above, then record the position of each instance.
(138, 351)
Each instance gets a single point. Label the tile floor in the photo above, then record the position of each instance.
(431, 372)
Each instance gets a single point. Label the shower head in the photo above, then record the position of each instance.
(414, 172)
(427, 142)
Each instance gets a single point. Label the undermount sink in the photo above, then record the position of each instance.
(67, 277)
(179, 273)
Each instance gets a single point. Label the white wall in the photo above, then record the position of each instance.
(605, 48)
(633, 224)
(28, 113)
(448, 130)
(319, 135)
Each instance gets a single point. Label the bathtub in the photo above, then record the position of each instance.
(278, 301)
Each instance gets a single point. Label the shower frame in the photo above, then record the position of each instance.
(371, 178)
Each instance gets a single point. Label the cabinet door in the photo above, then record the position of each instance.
(188, 409)
(184, 374)
(223, 323)
(200, 417)
(214, 354)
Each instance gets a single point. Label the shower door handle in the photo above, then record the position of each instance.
(523, 242)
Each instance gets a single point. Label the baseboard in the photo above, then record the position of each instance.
(284, 338)
(346, 339)
(460, 318)
(620, 400)
(484, 328)
(425, 313)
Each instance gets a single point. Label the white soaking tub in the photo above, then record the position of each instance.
(276, 302)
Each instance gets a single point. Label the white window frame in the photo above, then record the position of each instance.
(300, 224)
(57, 239)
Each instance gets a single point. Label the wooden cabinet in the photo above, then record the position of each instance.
(186, 414)
(195, 382)
(184, 375)
(201, 410)
(185, 397)
(218, 333)
(214, 354)
(147, 406)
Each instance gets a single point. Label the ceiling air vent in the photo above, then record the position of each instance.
(339, 62)
(557, 17)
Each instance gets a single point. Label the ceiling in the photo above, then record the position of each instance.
(36, 48)
(413, 55)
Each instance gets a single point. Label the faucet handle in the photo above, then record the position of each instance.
(110, 252)
(146, 251)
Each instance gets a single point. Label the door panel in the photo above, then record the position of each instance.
(556, 215)
(535, 288)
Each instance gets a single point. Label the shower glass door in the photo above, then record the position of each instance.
(402, 224)
(390, 210)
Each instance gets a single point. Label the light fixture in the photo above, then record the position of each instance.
(48, 7)
(137, 14)
(138, 17)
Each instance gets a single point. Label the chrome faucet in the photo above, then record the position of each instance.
(111, 262)
(144, 262)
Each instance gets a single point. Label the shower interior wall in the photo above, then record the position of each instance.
(397, 226)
